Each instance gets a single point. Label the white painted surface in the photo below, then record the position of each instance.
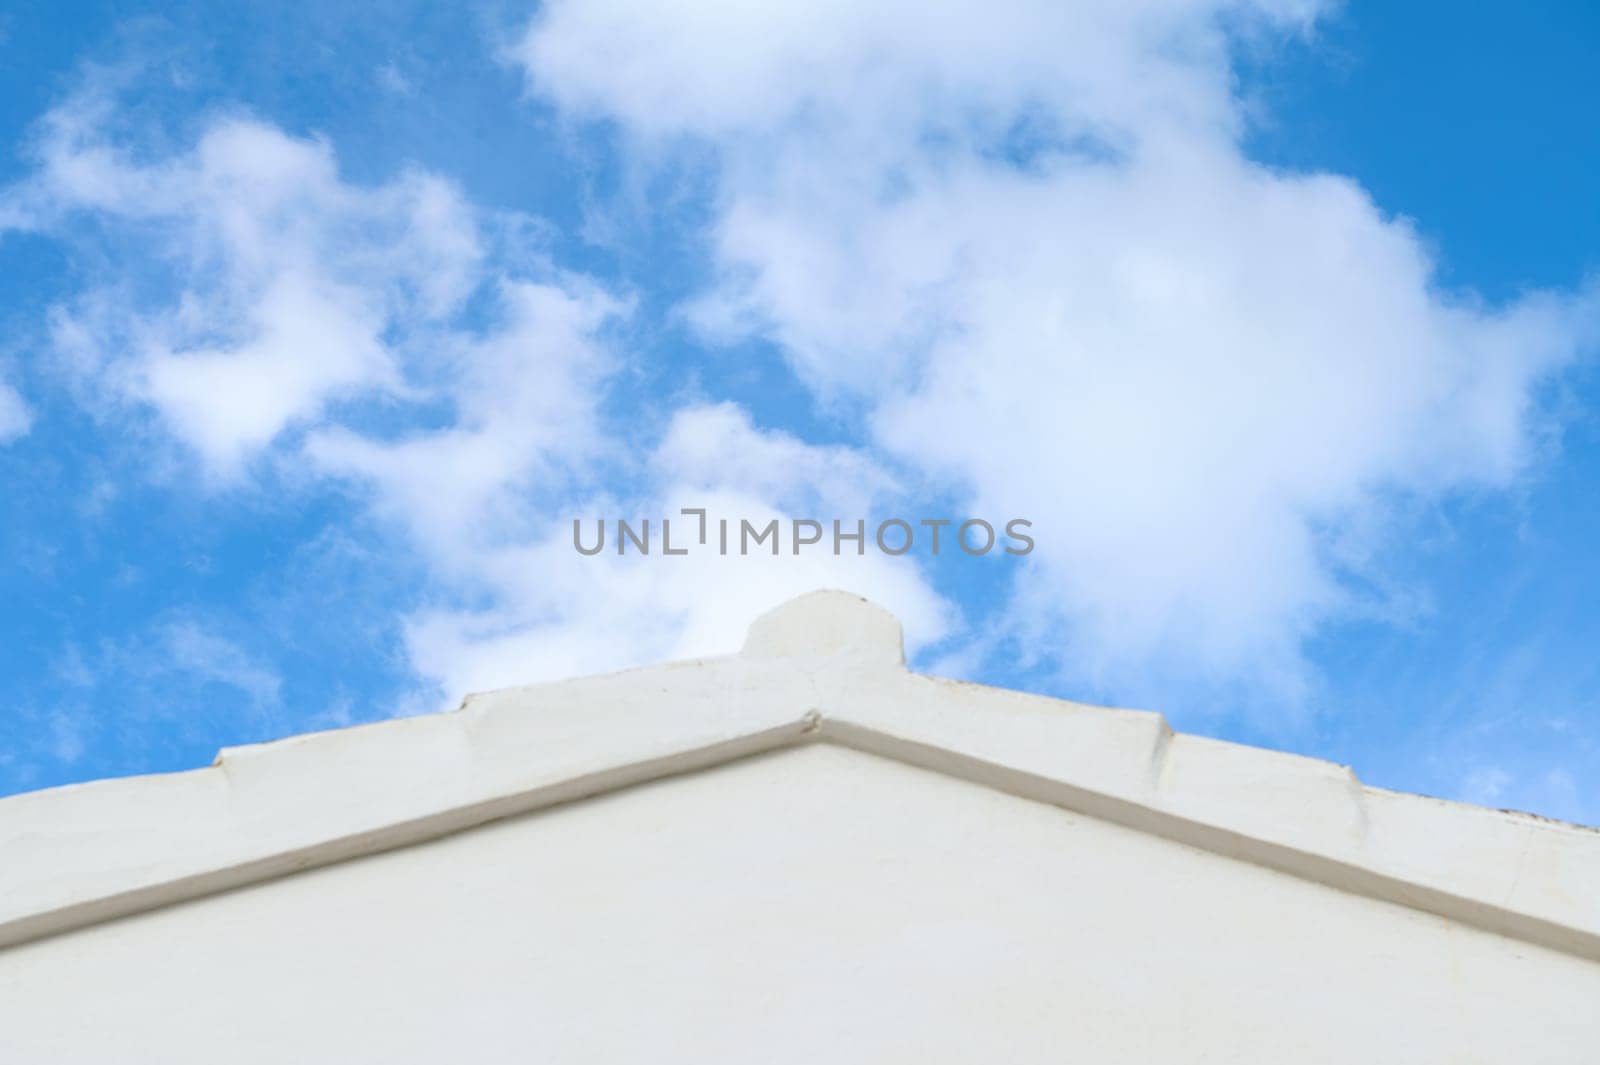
(812, 905)
(1055, 882)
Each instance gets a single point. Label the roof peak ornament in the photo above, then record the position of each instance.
(828, 624)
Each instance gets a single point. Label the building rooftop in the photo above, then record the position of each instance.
(825, 668)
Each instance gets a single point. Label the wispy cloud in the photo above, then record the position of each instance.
(15, 418)
(177, 654)
(286, 289)
(207, 657)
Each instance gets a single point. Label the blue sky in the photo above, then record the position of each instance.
(1277, 319)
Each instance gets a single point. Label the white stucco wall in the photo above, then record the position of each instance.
(814, 904)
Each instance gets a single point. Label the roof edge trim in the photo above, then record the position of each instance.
(1340, 873)
(1337, 873)
(58, 920)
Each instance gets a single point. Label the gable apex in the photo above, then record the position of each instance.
(828, 624)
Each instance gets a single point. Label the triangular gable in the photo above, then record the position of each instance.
(826, 668)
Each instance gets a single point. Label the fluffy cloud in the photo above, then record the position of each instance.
(522, 412)
(396, 342)
(256, 287)
(558, 613)
(1025, 238)
(1021, 238)
(1112, 69)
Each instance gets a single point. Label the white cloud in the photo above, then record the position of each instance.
(1021, 237)
(15, 417)
(555, 613)
(1026, 237)
(299, 345)
(292, 296)
(715, 447)
(199, 653)
(257, 286)
(1101, 67)
(562, 615)
(523, 400)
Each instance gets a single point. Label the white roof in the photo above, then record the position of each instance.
(825, 668)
